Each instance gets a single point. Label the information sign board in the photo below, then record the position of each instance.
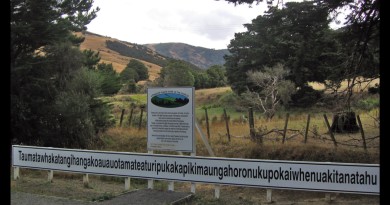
(171, 119)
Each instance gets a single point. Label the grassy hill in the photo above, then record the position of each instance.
(119, 61)
(119, 53)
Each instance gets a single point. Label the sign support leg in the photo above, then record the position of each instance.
(16, 173)
(269, 195)
(86, 180)
(150, 181)
(217, 191)
(50, 176)
(193, 185)
(171, 186)
(127, 183)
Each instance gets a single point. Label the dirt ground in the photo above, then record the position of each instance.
(66, 189)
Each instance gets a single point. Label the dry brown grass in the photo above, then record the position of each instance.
(205, 96)
(363, 86)
(319, 146)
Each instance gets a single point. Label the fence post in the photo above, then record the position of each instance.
(227, 123)
(131, 116)
(127, 183)
(330, 131)
(50, 175)
(362, 132)
(307, 127)
(285, 128)
(140, 119)
(207, 123)
(120, 122)
(251, 123)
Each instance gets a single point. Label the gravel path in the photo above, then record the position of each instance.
(139, 197)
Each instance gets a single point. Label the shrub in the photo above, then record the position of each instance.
(305, 97)
(368, 103)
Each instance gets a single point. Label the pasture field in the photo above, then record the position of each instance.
(131, 137)
(318, 147)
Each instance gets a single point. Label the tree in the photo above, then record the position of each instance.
(201, 80)
(111, 83)
(358, 52)
(176, 73)
(91, 59)
(129, 74)
(359, 40)
(294, 36)
(135, 66)
(274, 90)
(217, 77)
(35, 85)
(36, 23)
(53, 98)
(75, 109)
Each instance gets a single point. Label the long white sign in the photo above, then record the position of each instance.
(171, 119)
(276, 174)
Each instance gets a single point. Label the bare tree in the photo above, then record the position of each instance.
(273, 89)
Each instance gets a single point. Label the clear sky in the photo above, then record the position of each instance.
(205, 23)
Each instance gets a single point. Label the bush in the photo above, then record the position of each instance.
(367, 104)
(374, 90)
(305, 97)
(228, 99)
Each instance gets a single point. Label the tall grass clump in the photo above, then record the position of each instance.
(124, 140)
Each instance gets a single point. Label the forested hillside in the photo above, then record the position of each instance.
(136, 51)
(97, 43)
(199, 56)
